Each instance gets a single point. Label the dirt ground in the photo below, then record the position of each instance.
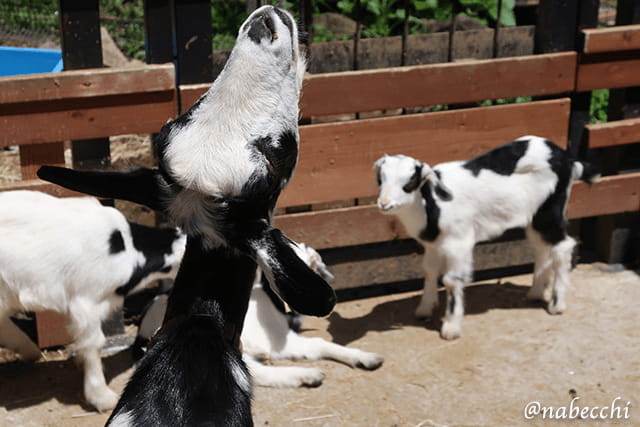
(511, 353)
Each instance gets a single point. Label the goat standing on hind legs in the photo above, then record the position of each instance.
(222, 166)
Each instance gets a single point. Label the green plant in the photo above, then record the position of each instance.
(599, 105)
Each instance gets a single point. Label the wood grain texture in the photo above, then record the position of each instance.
(608, 75)
(365, 224)
(611, 39)
(614, 133)
(424, 85)
(336, 159)
(51, 329)
(86, 83)
(85, 118)
(36, 155)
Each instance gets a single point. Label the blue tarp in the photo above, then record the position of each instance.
(24, 60)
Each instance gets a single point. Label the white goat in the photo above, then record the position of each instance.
(267, 335)
(448, 209)
(79, 258)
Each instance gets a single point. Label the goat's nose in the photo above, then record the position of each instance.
(384, 204)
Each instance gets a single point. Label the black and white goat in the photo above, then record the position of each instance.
(270, 333)
(79, 258)
(452, 206)
(223, 164)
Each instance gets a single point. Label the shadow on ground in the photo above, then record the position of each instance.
(27, 384)
(399, 313)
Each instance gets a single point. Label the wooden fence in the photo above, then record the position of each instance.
(329, 202)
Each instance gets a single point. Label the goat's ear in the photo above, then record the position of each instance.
(438, 186)
(376, 166)
(143, 186)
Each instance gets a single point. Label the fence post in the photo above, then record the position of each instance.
(82, 48)
(616, 236)
(193, 42)
(158, 31)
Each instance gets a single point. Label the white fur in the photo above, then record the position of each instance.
(266, 335)
(482, 207)
(54, 255)
(253, 96)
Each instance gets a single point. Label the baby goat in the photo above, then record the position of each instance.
(267, 335)
(448, 209)
(79, 258)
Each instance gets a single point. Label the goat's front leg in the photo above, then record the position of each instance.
(429, 299)
(561, 254)
(459, 273)
(86, 329)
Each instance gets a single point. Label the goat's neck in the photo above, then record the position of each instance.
(252, 98)
(414, 216)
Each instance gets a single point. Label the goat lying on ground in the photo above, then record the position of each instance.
(448, 209)
(79, 258)
(268, 334)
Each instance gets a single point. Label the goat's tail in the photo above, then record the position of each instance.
(586, 172)
(143, 186)
(290, 277)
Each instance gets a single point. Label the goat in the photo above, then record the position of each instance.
(223, 163)
(222, 166)
(191, 376)
(79, 258)
(269, 333)
(452, 206)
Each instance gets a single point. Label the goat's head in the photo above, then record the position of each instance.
(269, 40)
(401, 178)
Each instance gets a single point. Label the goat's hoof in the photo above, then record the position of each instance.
(450, 331)
(555, 309)
(370, 361)
(312, 379)
(104, 400)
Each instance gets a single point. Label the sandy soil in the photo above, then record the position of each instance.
(512, 353)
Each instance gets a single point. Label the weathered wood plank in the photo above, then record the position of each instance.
(365, 224)
(86, 83)
(409, 267)
(610, 134)
(51, 329)
(337, 153)
(38, 185)
(608, 75)
(453, 83)
(85, 118)
(613, 194)
(189, 94)
(35, 155)
(611, 39)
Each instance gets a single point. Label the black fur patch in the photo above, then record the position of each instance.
(432, 230)
(188, 377)
(414, 181)
(260, 27)
(501, 160)
(144, 186)
(452, 302)
(440, 192)
(285, 19)
(280, 156)
(549, 220)
(154, 243)
(116, 242)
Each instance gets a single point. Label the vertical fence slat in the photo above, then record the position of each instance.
(158, 31)
(193, 42)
